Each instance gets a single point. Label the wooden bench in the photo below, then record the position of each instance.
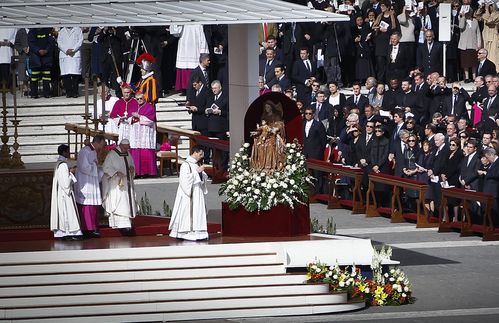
(421, 216)
(333, 202)
(81, 130)
(466, 226)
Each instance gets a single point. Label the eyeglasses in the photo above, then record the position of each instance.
(379, 130)
(369, 126)
(315, 85)
(411, 140)
(456, 88)
(463, 137)
(411, 122)
(141, 99)
(308, 113)
(453, 145)
(481, 53)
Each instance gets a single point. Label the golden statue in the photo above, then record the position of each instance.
(269, 140)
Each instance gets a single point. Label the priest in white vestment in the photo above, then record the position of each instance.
(189, 212)
(7, 40)
(118, 192)
(192, 42)
(69, 41)
(64, 221)
(88, 194)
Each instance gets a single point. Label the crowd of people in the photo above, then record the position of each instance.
(414, 119)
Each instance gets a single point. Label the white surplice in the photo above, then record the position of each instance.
(142, 134)
(64, 220)
(6, 52)
(118, 192)
(88, 175)
(192, 42)
(70, 38)
(189, 212)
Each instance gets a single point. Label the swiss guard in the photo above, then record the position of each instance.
(147, 83)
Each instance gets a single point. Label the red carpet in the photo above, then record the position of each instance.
(143, 225)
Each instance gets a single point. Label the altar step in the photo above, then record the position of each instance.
(185, 282)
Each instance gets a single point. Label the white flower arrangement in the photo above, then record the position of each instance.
(258, 191)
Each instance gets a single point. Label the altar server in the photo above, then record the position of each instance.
(189, 212)
(64, 220)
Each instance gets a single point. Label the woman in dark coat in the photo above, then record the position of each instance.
(425, 161)
(451, 174)
(378, 163)
(410, 169)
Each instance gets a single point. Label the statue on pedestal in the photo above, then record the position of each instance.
(268, 152)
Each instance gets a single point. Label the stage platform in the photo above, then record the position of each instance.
(157, 278)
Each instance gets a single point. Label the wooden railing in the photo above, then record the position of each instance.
(333, 170)
(219, 149)
(166, 131)
(81, 133)
(397, 183)
(466, 225)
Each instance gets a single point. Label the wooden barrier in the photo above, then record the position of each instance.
(336, 169)
(80, 131)
(422, 218)
(218, 147)
(165, 131)
(467, 228)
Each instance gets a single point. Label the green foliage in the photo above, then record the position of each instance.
(316, 227)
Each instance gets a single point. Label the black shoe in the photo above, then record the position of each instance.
(34, 96)
(74, 238)
(94, 234)
(127, 232)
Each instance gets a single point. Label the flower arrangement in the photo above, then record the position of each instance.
(393, 289)
(258, 190)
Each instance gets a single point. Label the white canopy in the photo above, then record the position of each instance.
(87, 13)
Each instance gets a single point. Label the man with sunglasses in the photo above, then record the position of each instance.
(485, 66)
(314, 141)
(455, 104)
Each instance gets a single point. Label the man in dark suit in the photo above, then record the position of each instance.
(294, 36)
(314, 142)
(420, 88)
(267, 67)
(196, 105)
(407, 98)
(455, 104)
(439, 92)
(357, 99)
(491, 103)
(398, 152)
(200, 72)
(217, 110)
(323, 109)
(303, 74)
(281, 78)
(469, 167)
(429, 55)
(397, 59)
(481, 91)
(440, 158)
(485, 66)
(272, 43)
(491, 182)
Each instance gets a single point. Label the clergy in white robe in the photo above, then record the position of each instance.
(69, 41)
(192, 42)
(64, 221)
(118, 192)
(188, 219)
(7, 40)
(88, 194)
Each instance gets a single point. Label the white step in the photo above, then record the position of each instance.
(163, 264)
(150, 285)
(172, 295)
(204, 315)
(140, 275)
(172, 306)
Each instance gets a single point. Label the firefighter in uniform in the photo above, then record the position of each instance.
(41, 57)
